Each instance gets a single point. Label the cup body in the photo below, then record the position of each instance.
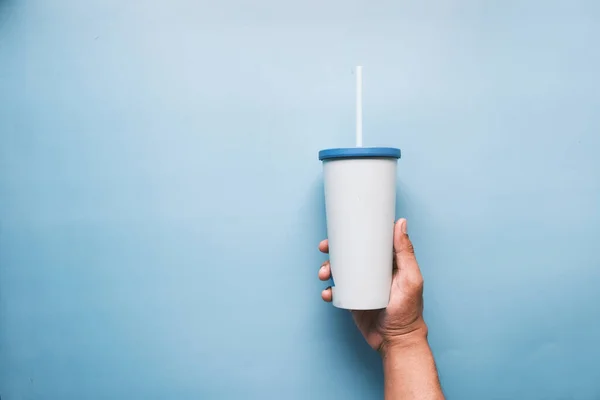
(360, 202)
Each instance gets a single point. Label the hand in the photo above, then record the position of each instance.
(402, 321)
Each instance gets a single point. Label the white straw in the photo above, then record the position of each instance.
(359, 106)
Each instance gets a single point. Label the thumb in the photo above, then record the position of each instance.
(404, 251)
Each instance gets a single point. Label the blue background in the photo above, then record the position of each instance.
(161, 198)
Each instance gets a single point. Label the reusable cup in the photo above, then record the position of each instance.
(360, 199)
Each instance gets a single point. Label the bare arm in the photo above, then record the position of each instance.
(409, 370)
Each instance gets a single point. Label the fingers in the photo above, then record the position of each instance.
(325, 271)
(324, 246)
(326, 294)
(404, 252)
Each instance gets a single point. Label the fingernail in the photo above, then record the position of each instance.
(403, 225)
(322, 268)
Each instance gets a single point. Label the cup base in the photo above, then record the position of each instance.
(359, 305)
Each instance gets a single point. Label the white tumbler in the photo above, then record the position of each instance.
(360, 202)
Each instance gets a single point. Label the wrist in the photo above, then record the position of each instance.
(398, 343)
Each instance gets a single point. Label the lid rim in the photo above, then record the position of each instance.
(359, 152)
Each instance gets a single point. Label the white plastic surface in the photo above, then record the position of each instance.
(360, 198)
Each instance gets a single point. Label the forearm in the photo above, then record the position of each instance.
(409, 370)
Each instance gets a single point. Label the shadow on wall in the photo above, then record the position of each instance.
(428, 240)
(7, 8)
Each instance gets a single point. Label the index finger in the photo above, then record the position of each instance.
(324, 246)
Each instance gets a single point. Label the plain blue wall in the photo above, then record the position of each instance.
(161, 197)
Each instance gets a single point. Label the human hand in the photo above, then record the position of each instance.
(402, 321)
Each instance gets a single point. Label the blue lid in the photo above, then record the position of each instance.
(359, 152)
